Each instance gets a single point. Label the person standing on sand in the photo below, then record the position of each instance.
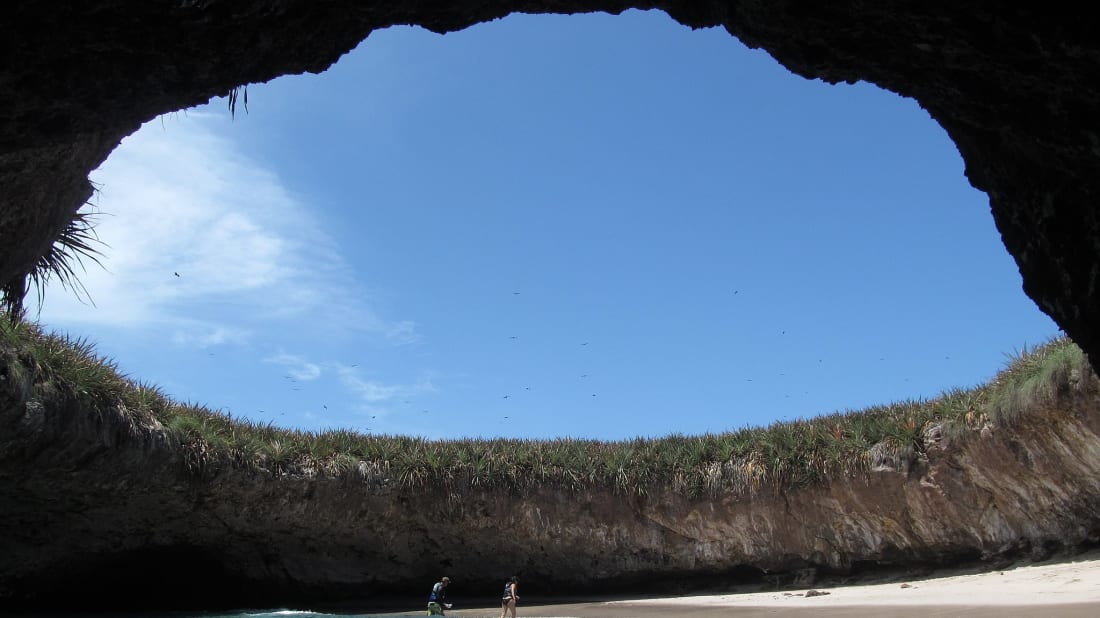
(435, 600)
(510, 597)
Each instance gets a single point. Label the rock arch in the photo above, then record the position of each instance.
(1017, 90)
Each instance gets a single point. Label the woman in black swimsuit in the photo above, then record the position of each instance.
(510, 597)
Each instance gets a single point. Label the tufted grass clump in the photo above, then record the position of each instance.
(1033, 377)
(775, 458)
(71, 361)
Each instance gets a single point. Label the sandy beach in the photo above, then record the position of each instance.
(1070, 588)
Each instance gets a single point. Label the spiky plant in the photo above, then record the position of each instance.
(776, 458)
(235, 95)
(78, 240)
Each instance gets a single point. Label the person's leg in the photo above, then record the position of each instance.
(503, 609)
(512, 605)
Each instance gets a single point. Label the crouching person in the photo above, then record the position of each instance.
(436, 599)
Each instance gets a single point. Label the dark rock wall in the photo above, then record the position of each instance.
(113, 511)
(89, 502)
(1017, 87)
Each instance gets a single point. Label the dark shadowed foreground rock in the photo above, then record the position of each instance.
(113, 511)
(1016, 86)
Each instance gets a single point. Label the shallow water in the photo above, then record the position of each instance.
(276, 613)
(247, 613)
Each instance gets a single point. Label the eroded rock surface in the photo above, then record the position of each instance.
(1016, 87)
(113, 511)
(86, 499)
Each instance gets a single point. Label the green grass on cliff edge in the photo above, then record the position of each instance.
(778, 457)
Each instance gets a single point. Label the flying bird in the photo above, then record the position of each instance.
(176, 274)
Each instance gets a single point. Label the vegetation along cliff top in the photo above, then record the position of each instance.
(777, 457)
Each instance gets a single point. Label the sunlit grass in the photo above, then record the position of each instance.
(775, 458)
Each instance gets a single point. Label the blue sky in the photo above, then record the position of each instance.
(593, 226)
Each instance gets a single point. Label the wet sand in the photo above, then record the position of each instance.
(602, 610)
(1068, 589)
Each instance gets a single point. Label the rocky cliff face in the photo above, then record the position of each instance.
(113, 510)
(105, 508)
(1017, 88)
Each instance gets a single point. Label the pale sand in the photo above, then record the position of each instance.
(1070, 589)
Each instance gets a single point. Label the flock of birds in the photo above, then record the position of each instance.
(296, 386)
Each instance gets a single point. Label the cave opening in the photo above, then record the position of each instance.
(1023, 162)
(559, 223)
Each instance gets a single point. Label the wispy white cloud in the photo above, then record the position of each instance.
(207, 242)
(375, 396)
(210, 337)
(403, 332)
(296, 367)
